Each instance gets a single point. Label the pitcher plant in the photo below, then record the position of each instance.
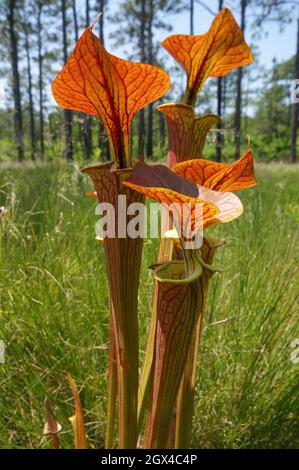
(97, 83)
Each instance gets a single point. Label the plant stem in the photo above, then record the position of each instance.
(166, 252)
(144, 385)
(112, 384)
(123, 259)
(185, 399)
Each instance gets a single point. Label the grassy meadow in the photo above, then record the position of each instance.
(54, 315)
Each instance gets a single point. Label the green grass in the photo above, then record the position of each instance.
(54, 316)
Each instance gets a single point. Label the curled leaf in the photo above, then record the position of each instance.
(219, 176)
(216, 53)
(172, 273)
(98, 83)
(163, 185)
(186, 131)
(78, 419)
(52, 427)
(169, 189)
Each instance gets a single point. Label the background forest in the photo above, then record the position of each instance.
(37, 36)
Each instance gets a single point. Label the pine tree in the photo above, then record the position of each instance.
(139, 20)
(10, 10)
(28, 34)
(67, 112)
(238, 109)
(219, 107)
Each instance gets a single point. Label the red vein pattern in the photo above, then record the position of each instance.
(186, 131)
(98, 83)
(219, 176)
(123, 260)
(177, 312)
(216, 53)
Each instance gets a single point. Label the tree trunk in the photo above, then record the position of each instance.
(87, 13)
(102, 138)
(294, 107)
(219, 112)
(87, 137)
(238, 111)
(162, 130)
(101, 5)
(40, 80)
(219, 108)
(30, 98)
(191, 16)
(149, 136)
(224, 95)
(67, 112)
(149, 139)
(142, 59)
(18, 119)
(87, 127)
(74, 8)
(81, 115)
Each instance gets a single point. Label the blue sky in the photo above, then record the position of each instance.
(273, 44)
